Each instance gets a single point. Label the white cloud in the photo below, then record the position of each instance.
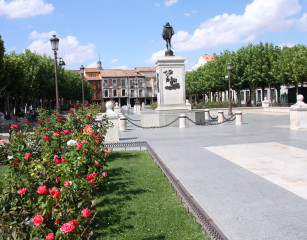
(288, 44)
(188, 14)
(46, 35)
(157, 4)
(170, 2)
(114, 60)
(124, 67)
(155, 56)
(302, 23)
(69, 48)
(92, 65)
(24, 8)
(259, 16)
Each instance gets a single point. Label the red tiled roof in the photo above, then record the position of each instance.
(209, 58)
(91, 70)
(145, 69)
(117, 73)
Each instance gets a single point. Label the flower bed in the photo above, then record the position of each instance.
(52, 174)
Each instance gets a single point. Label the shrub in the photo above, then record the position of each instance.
(154, 105)
(52, 174)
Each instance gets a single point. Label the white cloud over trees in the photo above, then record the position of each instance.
(69, 47)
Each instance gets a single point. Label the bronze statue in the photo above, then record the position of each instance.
(167, 34)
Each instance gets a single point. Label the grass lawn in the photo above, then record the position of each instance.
(138, 202)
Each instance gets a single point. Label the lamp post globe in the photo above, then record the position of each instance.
(55, 46)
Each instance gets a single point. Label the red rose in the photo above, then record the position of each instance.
(89, 177)
(69, 227)
(16, 164)
(44, 129)
(50, 236)
(104, 174)
(85, 212)
(45, 107)
(75, 106)
(40, 123)
(27, 156)
(67, 183)
(92, 181)
(86, 105)
(46, 138)
(60, 120)
(66, 132)
(55, 193)
(57, 115)
(48, 119)
(22, 191)
(38, 220)
(88, 116)
(96, 163)
(41, 190)
(110, 150)
(94, 174)
(57, 221)
(14, 127)
(71, 111)
(57, 179)
(26, 121)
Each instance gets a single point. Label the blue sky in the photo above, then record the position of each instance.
(127, 33)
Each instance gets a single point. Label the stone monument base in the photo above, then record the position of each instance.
(162, 118)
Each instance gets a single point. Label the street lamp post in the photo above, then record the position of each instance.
(55, 46)
(82, 73)
(229, 96)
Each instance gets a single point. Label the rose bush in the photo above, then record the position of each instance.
(47, 193)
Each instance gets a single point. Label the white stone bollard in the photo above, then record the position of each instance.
(298, 114)
(207, 114)
(189, 106)
(238, 118)
(116, 108)
(182, 121)
(220, 115)
(122, 124)
(265, 103)
(112, 134)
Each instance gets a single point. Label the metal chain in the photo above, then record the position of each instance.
(166, 125)
(212, 124)
(229, 119)
(213, 118)
(131, 119)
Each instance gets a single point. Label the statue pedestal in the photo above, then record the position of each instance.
(171, 83)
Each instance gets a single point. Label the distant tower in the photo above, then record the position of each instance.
(99, 64)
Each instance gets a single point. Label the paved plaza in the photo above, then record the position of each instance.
(250, 179)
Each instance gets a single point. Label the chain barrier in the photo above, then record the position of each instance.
(232, 118)
(135, 120)
(153, 127)
(213, 118)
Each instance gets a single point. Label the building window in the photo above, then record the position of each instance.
(140, 82)
(94, 75)
(114, 82)
(123, 83)
(131, 84)
(132, 93)
(106, 93)
(105, 83)
(114, 93)
(140, 93)
(123, 92)
(90, 75)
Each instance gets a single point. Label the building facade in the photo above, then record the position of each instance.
(125, 87)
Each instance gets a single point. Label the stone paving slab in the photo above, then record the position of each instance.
(244, 206)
